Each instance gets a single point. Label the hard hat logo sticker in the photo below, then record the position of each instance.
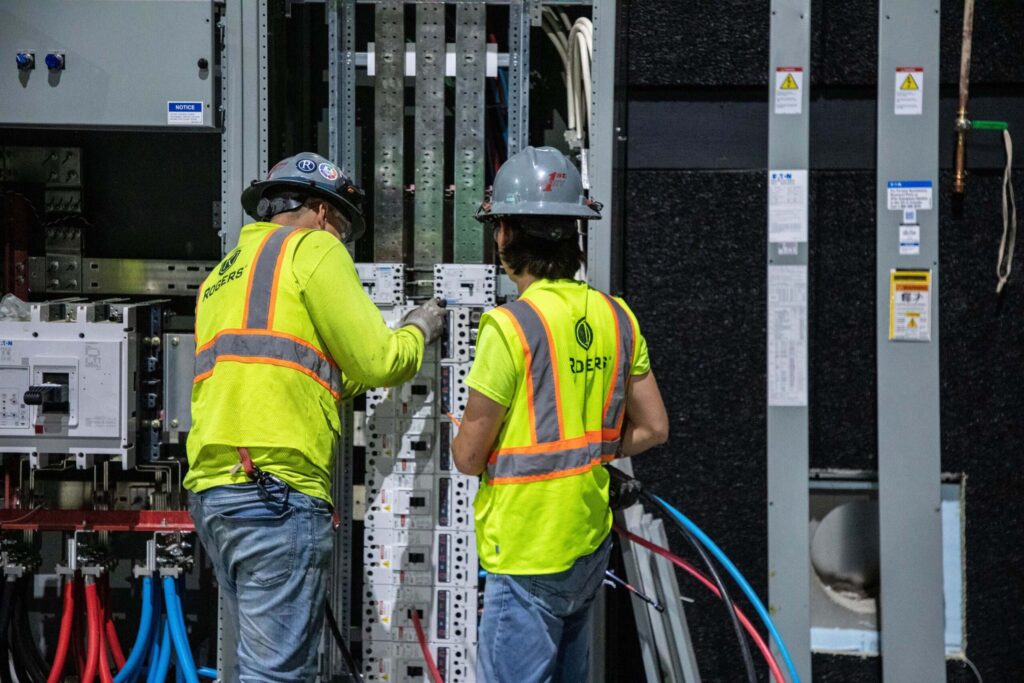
(555, 179)
(306, 165)
(328, 171)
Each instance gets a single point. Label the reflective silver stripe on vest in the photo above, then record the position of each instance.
(625, 366)
(259, 347)
(545, 407)
(540, 464)
(263, 279)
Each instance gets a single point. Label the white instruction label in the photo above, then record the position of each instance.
(910, 305)
(909, 100)
(787, 206)
(184, 113)
(909, 194)
(789, 85)
(910, 240)
(787, 335)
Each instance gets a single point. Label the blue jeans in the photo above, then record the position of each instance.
(271, 551)
(536, 629)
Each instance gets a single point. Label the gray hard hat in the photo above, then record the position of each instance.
(306, 174)
(538, 181)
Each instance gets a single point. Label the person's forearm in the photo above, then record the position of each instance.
(636, 439)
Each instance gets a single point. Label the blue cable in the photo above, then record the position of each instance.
(158, 672)
(207, 672)
(176, 625)
(743, 584)
(138, 654)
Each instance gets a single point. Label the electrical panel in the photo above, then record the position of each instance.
(115, 64)
(82, 380)
(419, 548)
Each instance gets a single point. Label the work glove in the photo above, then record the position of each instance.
(429, 317)
(623, 490)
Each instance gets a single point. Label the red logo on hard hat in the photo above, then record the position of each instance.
(555, 178)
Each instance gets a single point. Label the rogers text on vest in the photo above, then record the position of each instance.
(577, 365)
(212, 289)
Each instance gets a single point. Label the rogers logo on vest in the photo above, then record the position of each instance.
(213, 289)
(578, 365)
(228, 262)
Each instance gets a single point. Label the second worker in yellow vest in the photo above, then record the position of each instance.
(561, 384)
(283, 331)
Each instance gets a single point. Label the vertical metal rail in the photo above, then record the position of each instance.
(603, 245)
(470, 88)
(519, 74)
(429, 135)
(388, 125)
(341, 32)
(787, 411)
(244, 104)
(909, 449)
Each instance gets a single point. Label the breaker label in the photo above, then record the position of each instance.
(909, 194)
(910, 305)
(184, 113)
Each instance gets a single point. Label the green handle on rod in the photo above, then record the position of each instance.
(989, 125)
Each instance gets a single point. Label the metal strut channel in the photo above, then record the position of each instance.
(388, 124)
(429, 134)
(470, 86)
(519, 74)
(341, 16)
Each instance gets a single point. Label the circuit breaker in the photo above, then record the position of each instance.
(419, 549)
(82, 380)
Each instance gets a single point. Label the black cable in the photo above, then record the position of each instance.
(21, 636)
(20, 655)
(345, 652)
(748, 659)
(6, 610)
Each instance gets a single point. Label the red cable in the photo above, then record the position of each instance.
(77, 635)
(113, 643)
(66, 621)
(695, 573)
(434, 673)
(101, 604)
(92, 604)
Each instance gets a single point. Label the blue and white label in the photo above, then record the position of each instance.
(184, 113)
(910, 240)
(909, 194)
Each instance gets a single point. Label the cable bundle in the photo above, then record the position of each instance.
(18, 650)
(576, 48)
(162, 635)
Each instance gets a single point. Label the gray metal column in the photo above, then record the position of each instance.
(470, 86)
(789, 580)
(429, 135)
(603, 245)
(341, 34)
(388, 128)
(244, 103)
(909, 462)
(519, 74)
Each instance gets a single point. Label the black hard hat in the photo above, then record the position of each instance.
(310, 174)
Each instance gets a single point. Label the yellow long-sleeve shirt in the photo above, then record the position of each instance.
(353, 332)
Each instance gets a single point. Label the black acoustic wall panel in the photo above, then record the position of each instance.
(695, 276)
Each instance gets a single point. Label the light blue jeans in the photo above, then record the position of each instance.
(536, 629)
(271, 551)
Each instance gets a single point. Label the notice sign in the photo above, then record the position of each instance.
(910, 240)
(184, 113)
(910, 305)
(787, 206)
(787, 335)
(789, 85)
(909, 194)
(909, 99)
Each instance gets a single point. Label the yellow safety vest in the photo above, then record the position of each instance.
(263, 378)
(544, 500)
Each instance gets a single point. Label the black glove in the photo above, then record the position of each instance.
(623, 490)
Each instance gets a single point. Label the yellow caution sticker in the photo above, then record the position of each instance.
(909, 83)
(908, 99)
(789, 83)
(910, 297)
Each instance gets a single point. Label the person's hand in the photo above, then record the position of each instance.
(623, 490)
(429, 317)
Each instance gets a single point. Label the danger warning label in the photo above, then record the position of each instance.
(909, 98)
(789, 81)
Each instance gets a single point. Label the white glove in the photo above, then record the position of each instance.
(429, 317)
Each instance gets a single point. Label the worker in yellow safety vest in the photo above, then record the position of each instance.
(561, 384)
(284, 331)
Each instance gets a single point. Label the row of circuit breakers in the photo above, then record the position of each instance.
(101, 381)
